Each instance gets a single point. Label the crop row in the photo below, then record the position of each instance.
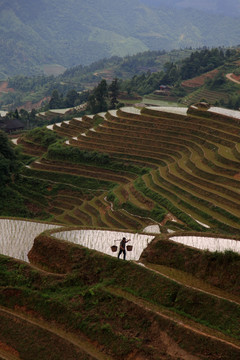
(202, 206)
(81, 171)
(163, 118)
(129, 149)
(182, 128)
(192, 204)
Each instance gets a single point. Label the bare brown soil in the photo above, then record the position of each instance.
(170, 217)
(237, 176)
(29, 105)
(4, 87)
(199, 80)
(7, 350)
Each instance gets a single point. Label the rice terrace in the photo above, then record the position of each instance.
(167, 179)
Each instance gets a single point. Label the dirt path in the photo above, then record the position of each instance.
(229, 77)
(79, 341)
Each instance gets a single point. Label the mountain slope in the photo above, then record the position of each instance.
(230, 7)
(69, 33)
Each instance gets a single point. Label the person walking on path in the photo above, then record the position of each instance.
(123, 248)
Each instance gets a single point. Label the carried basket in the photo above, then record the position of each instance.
(114, 248)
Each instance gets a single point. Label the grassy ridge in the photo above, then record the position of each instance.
(116, 302)
(219, 269)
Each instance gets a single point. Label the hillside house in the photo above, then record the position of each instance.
(12, 125)
(163, 90)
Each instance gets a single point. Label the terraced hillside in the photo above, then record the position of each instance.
(128, 169)
(203, 93)
(127, 173)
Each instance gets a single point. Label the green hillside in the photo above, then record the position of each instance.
(183, 71)
(36, 88)
(139, 142)
(80, 32)
(102, 176)
(148, 163)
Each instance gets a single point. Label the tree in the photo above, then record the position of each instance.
(71, 98)
(24, 114)
(8, 160)
(16, 114)
(218, 80)
(171, 74)
(114, 92)
(97, 101)
(92, 104)
(101, 93)
(55, 101)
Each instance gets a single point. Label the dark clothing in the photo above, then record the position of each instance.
(123, 248)
(124, 253)
(123, 244)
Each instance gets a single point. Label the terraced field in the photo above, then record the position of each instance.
(161, 162)
(167, 179)
(201, 93)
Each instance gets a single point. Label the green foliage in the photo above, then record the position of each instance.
(55, 101)
(72, 99)
(77, 181)
(237, 71)
(97, 101)
(114, 301)
(114, 93)
(157, 213)
(13, 203)
(224, 259)
(197, 63)
(219, 80)
(144, 83)
(46, 39)
(9, 164)
(233, 101)
(42, 136)
(73, 154)
(150, 69)
(203, 61)
(123, 67)
(165, 203)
